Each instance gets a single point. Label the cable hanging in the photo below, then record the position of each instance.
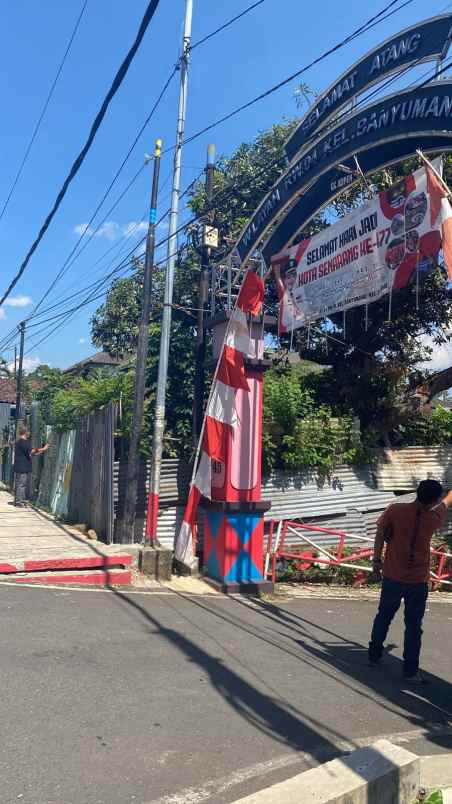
(43, 111)
(117, 81)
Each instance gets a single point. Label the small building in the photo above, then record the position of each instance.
(7, 390)
(100, 360)
(7, 407)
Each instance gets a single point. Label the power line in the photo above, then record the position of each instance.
(67, 264)
(140, 132)
(136, 246)
(375, 20)
(225, 25)
(117, 81)
(234, 189)
(224, 194)
(43, 111)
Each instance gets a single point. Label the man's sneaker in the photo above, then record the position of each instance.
(417, 679)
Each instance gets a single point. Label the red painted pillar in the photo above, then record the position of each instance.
(234, 518)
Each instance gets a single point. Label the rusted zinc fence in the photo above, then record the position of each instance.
(74, 478)
(175, 478)
(403, 469)
(90, 497)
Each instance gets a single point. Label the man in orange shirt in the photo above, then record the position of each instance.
(406, 529)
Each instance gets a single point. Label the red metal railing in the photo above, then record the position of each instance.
(310, 553)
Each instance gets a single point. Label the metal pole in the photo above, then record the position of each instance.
(18, 393)
(19, 378)
(15, 362)
(159, 416)
(126, 524)
(202, 299)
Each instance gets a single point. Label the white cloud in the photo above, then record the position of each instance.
(111, 230)
(441, 357)
(134, 228)
(81, 340)
(83, 228)
(29, 364)
(2, 314)
(18, 301)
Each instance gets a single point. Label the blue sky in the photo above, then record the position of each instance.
(271, 42)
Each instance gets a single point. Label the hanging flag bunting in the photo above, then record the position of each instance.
(375, 250)
(222, 411)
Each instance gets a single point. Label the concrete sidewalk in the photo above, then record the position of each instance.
(36, 548)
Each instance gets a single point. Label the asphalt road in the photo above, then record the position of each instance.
(117, 698)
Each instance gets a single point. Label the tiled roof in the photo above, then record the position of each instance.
(7, 390)
(98, 359)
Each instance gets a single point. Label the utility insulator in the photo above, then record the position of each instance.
(210, 236)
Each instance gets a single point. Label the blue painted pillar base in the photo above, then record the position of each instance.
(234, 546)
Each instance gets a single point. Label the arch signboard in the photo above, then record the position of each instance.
(336, 129)
(422, 42)
(412, 116)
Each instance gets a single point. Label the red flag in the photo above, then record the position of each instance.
(447, 238)
(436, 191)
(251, 294)
(215, 441)
(231, 370)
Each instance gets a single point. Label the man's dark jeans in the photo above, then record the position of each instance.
(415, 597)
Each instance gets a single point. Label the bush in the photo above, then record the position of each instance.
(299, 433)
(429, 430)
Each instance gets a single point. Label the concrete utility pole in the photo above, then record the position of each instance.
(209, 237)
(125, 528)
(18, 395)
(19, 379)
(159, 416)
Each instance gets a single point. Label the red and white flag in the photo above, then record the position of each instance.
(221, 414)
(440, 212)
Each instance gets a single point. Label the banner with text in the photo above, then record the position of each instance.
(381, 247)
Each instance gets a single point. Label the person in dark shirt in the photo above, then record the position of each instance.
(22, 464)
(405, 532)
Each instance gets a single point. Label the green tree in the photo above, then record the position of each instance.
(4, 370)
(299, 431)
(370, 369)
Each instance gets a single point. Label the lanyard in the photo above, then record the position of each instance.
(414, 538)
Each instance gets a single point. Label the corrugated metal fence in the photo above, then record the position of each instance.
(75, 476)
(350, 499)
(403, 469)
(91, 480)
(175, 479)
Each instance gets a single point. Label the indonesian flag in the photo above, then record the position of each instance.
(440, 212)
(221, 415)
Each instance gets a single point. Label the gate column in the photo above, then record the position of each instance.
(234, 517)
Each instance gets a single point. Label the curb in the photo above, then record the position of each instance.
(380, 774)
(436, 772)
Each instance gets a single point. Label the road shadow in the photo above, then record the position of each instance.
(427, 708)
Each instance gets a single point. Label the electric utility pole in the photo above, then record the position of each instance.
(159, 415)
(19, 379)
(209, 241)
(18, 398)
(126, 525)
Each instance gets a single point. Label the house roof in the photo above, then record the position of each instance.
(7, 390)
(98, 359)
